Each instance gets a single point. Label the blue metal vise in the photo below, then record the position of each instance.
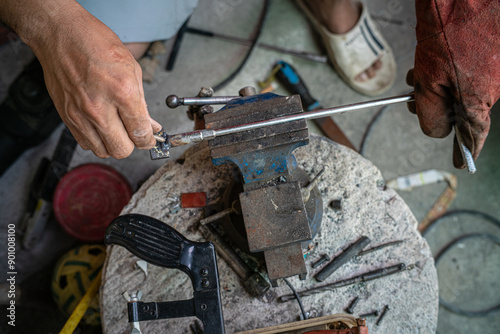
(274, 213)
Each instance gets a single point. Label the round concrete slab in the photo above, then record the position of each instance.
(356, 204)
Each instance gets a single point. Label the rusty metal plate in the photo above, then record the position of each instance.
(254, 108)
(274, 216)
(285, 262)
(251, 109)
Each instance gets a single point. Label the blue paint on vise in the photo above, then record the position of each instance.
(249, 99)
(277, 160)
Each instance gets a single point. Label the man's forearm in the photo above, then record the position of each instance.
(32, 20)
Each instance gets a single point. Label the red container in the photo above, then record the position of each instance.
(88, 198)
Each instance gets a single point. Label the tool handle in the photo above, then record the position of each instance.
(159, 244)
(289, 77)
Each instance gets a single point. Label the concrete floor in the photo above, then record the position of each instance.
(468, 275)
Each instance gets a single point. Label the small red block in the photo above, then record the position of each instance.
(194, 200)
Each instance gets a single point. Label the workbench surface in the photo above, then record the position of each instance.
(366, 208)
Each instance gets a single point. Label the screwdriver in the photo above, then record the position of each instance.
(289, 77)
(292, 81)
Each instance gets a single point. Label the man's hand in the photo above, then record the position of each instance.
(94, 81)
(457, 69)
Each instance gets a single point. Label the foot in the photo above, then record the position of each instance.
(339, 17)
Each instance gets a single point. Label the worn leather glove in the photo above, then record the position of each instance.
(457, 69)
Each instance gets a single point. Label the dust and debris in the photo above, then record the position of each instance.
(363, 211)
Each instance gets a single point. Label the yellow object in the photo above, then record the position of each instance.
(82, 306)
(74, 273)
(270, 78)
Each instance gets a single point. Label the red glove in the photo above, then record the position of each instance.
(457, 69)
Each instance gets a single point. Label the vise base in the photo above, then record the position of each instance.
(273, 209)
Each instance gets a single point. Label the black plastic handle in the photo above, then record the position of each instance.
(159, 244)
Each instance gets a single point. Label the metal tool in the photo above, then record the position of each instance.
(173, 101)
(280, 211)
(466, 154)
(342, 258)
(290, 78)
(180, 139)
(242, 41)
(352, 305)
(160, 244)
(321, 260)
(135, 327)
(230, 101)
(235, 208)
(275, 218)
(253, 281)
(379, 247)
(369, 276)
(382, 315)
(370, 314)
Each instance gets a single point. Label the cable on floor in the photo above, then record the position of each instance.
(260, 25)
(304, 315)
(447, 247)
(369, 128)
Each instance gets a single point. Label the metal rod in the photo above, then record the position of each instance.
(342, 258)
(217, 216)
(384, 312)
(242, 41)
(226, 252)
(376, 248)
(371, 314)
(207, 134)
(180, 139)
(352, 305)
(321, 260)
(378, 273)
(173, 101)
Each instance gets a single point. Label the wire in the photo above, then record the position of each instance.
(370, 125)
(260, 25)
(456, 309)
(369, 128)
(486, 216)
(304, 315)
(446, 248)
